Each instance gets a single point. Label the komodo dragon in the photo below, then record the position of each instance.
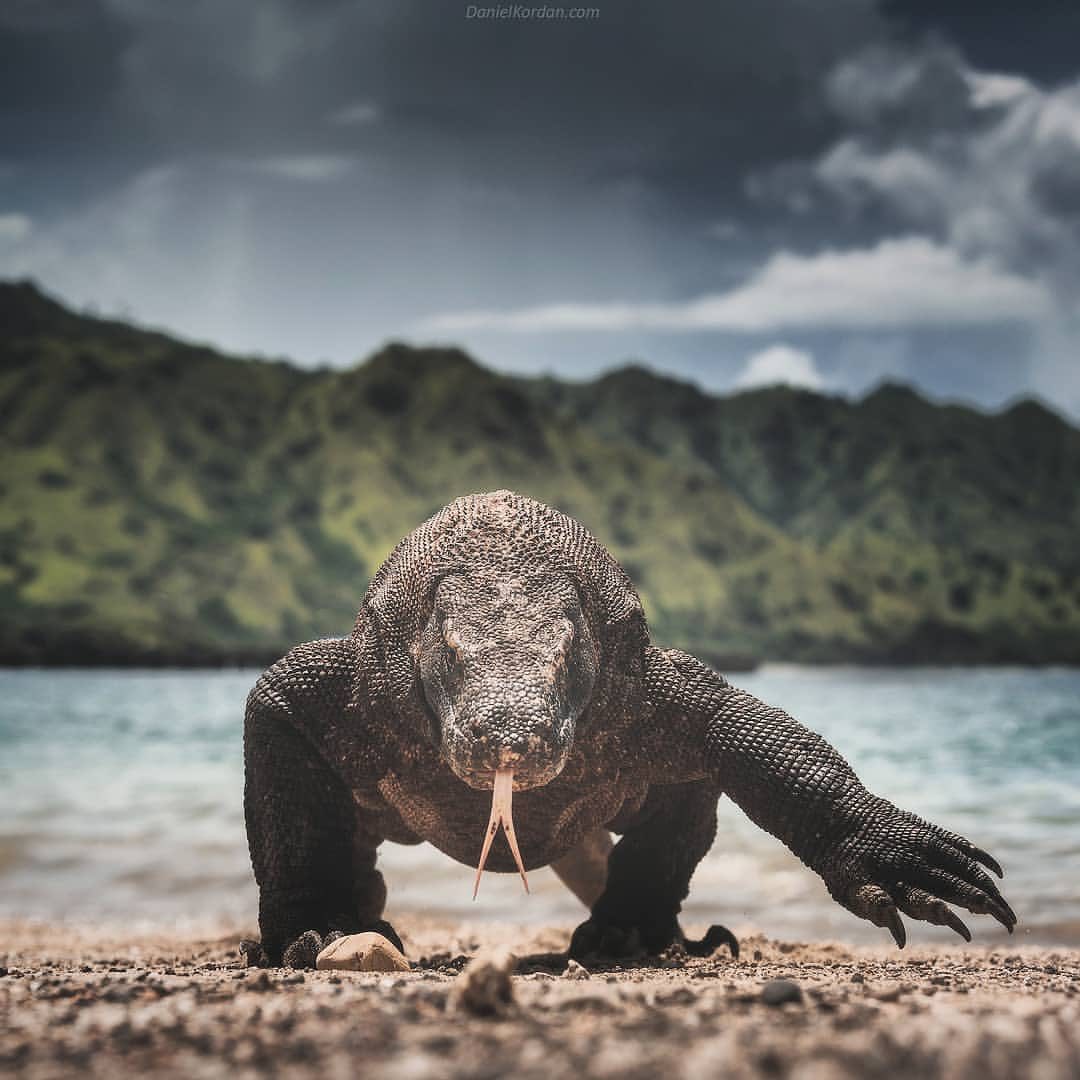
(502, 653)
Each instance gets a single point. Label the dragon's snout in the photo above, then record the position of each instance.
(535, 755)
(507, 662)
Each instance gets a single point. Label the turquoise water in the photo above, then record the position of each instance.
(120, 800)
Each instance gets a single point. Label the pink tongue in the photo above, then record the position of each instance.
(502, 798)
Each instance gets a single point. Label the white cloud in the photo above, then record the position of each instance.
(985, 162)
(355, 115)
(991, 90)
(908, 177)
(780, 364)
(14, 227)
(890, 88)
(305, 168)
(904, 282)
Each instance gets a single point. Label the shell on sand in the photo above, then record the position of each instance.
(361, 952)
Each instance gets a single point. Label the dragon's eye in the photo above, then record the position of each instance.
(565, 642)
(452, 648)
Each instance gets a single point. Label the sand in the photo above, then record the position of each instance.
(75, 1001)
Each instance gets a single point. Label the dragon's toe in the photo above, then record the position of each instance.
(715, 937)
(594, 938)
(303, 952)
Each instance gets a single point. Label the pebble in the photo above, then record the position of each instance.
(361, 952)
(780, 992)
(484, 987)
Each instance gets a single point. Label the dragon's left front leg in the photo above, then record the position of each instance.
(876, 860)
(649, 874)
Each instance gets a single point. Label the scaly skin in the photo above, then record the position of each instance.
(501, 634)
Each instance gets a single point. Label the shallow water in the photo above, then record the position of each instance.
(120, 800)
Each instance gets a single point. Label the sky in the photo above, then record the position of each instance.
(824, 192)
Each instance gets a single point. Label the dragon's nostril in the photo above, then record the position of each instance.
(511, 755)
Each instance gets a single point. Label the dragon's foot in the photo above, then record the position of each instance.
(893, 861)
(599, 938)
(303, 951)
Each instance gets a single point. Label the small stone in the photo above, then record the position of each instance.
(858, 977)
(484, 987)
(361, 952)
(780, 992)
(574, 970)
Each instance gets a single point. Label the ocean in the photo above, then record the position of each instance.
(120, 802)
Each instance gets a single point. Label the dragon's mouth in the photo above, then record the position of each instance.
(502, 799)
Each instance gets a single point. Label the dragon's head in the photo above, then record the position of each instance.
(508, 663)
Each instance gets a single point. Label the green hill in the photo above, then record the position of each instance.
(160, 502)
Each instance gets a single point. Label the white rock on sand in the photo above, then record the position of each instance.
(361, 952)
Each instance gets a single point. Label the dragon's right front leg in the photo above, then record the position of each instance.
(314, 866)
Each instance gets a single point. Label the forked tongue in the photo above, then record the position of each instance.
(502, 798)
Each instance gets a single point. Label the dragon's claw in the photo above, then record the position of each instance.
(714, 938)
(987, 860)
(901, 863)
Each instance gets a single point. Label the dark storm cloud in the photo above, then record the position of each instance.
(1036, 38)
(61, 83)
(310, 176)
(682, 95)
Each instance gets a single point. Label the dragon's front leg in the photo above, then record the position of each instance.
(649, 874)
(313, 853)
(876, 860)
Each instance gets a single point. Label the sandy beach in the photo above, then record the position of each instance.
(75, 1001)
